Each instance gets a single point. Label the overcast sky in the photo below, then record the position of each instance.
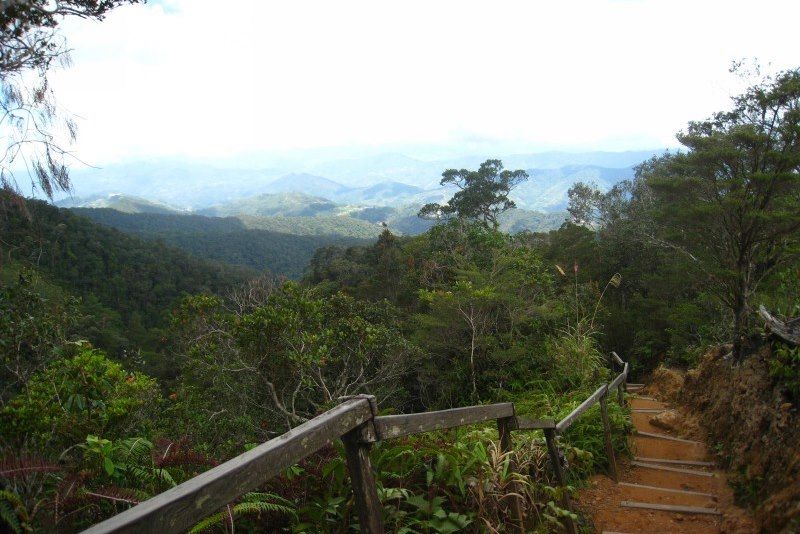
(214, 79)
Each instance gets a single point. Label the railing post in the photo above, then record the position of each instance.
(357, 444)
(550, 438)
(607, 435)
(504, 428)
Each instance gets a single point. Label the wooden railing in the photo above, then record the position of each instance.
(356, 422)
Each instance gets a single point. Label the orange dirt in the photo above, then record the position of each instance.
(601, 501)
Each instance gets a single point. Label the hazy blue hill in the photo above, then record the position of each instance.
(384, 193)
(384, 179)
(405, 220)
(309, 184)
(119, 202)
(362, 172)
(546, 189)
(291, 204)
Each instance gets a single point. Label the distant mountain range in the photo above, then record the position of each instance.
(378, 180)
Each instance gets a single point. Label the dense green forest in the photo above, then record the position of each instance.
(124, 285)
(130, 366)
(223, 239)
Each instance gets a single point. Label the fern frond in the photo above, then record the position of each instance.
(255, 503)
(256, 508)
(9, 517)
(112, 493)
(135, 450)
(13, 467)
(256, 496)
(208, 524)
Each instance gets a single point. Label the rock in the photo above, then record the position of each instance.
(668, 420)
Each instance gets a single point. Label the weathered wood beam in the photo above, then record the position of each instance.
(395, 426)
(664, 436)
(672, 469)
(788, 331)
(565, 423)
(677, 462)
(534, 424)
(618, 380)
(179, 508)
(671, 508)
(555, 460)
(504, 428)
(612, 461)
(365, 491)
(668, 490)
(617, 358)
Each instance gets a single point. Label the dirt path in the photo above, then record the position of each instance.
(668, 472)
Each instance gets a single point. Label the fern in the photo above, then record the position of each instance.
(255, 503)
(13, 512)
(9, 517)
(14, 467)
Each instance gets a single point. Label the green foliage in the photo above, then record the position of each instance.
(252, 504)
(784, 367)
(730, 203)
(287, 355)
(482, 194)
(13, 513)
(33, 324)
(229, 240)
(126, 283)
(82, 392)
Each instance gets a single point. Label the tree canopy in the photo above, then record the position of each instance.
(482, 195)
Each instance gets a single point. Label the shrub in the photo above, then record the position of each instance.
(79, 395)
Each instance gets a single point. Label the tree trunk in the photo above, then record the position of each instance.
(741, 314)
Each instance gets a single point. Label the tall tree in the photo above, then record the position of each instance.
(731, 202)
(482, 194)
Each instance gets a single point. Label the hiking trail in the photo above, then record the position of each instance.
(670, 485)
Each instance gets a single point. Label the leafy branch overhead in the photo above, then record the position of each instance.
(482, 194)
(33, 129)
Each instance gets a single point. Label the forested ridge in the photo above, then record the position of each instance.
(126, 285)
(130, 366)
(224, 239)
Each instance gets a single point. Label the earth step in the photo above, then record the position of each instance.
(672, 469)
(648, 410)
(664, 436)
(679, 462)
(668, 490)
(671, 508)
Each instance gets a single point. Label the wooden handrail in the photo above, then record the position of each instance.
(619, 379)
(565, 423)
(395, 426)
(356, 422)
(179, 508)
(534, 424)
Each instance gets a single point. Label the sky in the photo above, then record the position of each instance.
(207, 80)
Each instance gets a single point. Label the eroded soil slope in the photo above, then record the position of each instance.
(754, 431)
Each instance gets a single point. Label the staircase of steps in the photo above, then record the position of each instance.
(669, 486)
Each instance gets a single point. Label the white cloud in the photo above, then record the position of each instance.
(204, 78)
